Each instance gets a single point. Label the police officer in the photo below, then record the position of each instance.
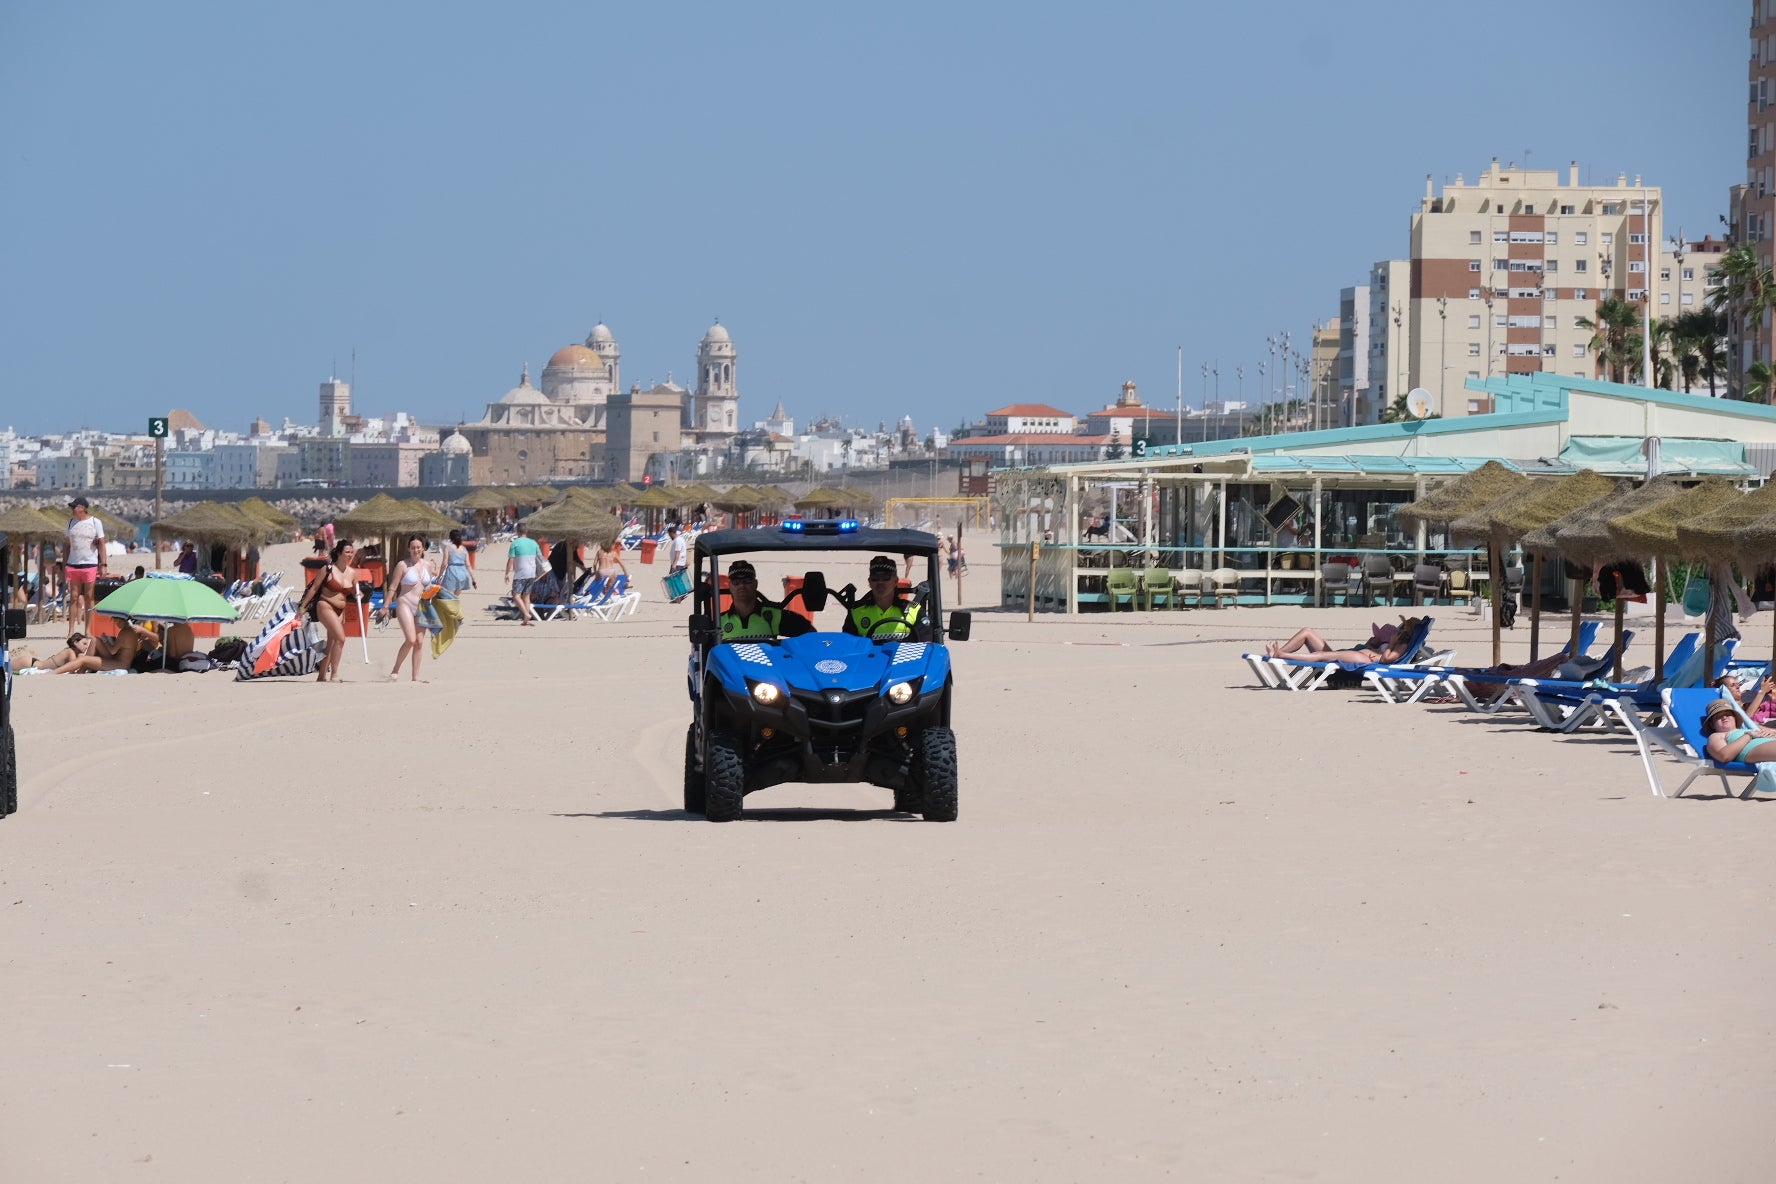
(748, 617)
(885, 604)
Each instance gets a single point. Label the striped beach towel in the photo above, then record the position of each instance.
(280, 650)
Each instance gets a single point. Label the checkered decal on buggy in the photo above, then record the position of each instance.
(752, 653)
(908, 651)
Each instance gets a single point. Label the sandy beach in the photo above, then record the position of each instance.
(1184, 929)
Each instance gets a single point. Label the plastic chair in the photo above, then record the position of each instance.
(1120, 583)
(1427, 583)
(1189, 589)
(1224, 584)
(1335, 580)
(1157, 584)
(1459, 590)
(1378, 579)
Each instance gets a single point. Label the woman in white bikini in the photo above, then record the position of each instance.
(412, 577)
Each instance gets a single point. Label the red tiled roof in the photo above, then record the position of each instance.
(1029, 409)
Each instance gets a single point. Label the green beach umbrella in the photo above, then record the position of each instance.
(166, 598)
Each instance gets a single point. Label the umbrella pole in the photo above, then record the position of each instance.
(1714, 591)
(1659, 629)
(1578, 600)
(363, 629)
(1493, 578)
(1535, 610)
(1617, 674)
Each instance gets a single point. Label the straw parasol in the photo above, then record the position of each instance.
(1537, 503)
(769, 495)
(260, 508)
(1734, 533)
(1652, 531)
(860, 497)
(212, 523)
(573, 518)
(381, 517)
(1462, 495)
(819, 499)
(483, 500)
(25, 527)
(656, 497)
(625, 492)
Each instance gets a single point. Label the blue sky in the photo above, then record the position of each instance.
(924, 209)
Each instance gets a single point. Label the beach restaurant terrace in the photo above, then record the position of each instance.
(1278, 511)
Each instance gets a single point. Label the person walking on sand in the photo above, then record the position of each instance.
(86, 563)
(330, 596)
(677, 551)
(458, 573)
(412, 577)
(522, 560)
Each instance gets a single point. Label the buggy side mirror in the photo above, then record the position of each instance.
(702, 630)
(814, 591)
(961, 625)
(15, 624)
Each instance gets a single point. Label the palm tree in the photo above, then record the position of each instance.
(1746, 292)
(1616, 340)
(1695, 342)
(1760, 377)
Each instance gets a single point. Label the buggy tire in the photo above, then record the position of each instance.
(9, 786)
(938, 779)
(693, 798)
(724, 779)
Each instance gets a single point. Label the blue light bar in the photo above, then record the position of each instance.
(820, 525)
(793, 525)
(847, 525)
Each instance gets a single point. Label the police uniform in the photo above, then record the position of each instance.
(767, 623)
(864, 617)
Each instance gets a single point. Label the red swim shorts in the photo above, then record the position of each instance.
(83, 573)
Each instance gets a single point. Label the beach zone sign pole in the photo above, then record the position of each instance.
(157, 431)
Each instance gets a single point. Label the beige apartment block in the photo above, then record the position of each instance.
(1754, 215)
(1504, 268)
(1390, 304)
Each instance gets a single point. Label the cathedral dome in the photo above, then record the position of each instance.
(600, 335)
(575, 355)
(524, 392)
(717, 335)
(455, 443)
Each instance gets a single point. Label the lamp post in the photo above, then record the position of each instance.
(1399, 349)
(1486, 298)
(1205, 432)
(1605, 264)
(1263, 382)
(1677, 258)
(1646, 290)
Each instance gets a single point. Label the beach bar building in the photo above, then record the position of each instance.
(1275, 510)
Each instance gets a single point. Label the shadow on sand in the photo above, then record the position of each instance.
(785, 814)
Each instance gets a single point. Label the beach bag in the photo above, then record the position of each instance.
(229, 649)
(1698, 593)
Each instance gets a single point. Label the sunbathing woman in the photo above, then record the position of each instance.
(1309, 644)
(1730, 740)
(112, 653)
(79, 645)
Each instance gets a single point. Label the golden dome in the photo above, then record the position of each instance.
(575, 355)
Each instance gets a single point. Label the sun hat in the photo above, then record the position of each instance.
(1715, 708)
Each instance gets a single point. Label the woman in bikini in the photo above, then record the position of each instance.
(79, 646)
(1310, 644)
(1729, 740)
(112, 653)
(334, 590)
(412, 577)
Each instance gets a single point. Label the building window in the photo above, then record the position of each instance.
(1547, 351)
(1473, 265)
(1551, 294)
(1637, 265)
(1474, 321)
(1498, 322)
(1581, 265)
(1578, 351)
(1550, 323)
(1664, 298)
(1688, 298)
(1637, 239)
(1637, 293)
(1579, 293)
(1689, 273)
(1551, 265)
(1665, 275)
(1501, 264)
(1473, 406)
(1611, 209)
(1609, 238)
(1566, 209)
(1501, 236)
(1529, 209)
(1473, 293)
(1473, 349)
(1473, 236)
(1581, 237)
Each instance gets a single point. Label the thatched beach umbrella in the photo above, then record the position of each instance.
(1510, 517)
(1719, 537)
(429, 521)
(572, 521)
(1652, 531)
(258, 507)
(819, 499)
(25, 527)
(1466, 494)
(483, 500)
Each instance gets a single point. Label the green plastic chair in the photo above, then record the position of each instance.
(1120, 583)
(1157, 587)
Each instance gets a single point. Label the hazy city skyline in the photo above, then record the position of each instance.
(929, 211)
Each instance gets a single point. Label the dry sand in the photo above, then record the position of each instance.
(1184, 928)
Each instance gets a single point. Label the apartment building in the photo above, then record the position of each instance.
(1503, 269)
(1390, 300)
(1351, 376)
(1754, 206)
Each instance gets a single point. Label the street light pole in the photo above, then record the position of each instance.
(1443, 354)
(1646, 291)
(1179, 437)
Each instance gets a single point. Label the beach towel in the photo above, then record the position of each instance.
(281, 650)
(442, 615)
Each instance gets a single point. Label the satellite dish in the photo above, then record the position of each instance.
(1418, 401)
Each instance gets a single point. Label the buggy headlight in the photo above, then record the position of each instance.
(766, 693)
(900, 692)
